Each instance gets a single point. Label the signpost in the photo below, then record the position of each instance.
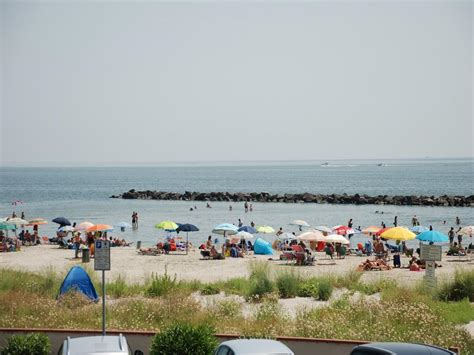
(431, 254)
(102, 262)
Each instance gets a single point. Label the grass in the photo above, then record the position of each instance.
(462, 287)
(402, 314)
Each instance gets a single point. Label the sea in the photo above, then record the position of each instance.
(83, 194)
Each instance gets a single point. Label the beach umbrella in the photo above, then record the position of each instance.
(323, 229)
(7, 227)
(419, 229)
(247, 229)
(66, 229)
(16, 221)
(468, 230)
(244, 235)
(187, 227)
(312, 236)
(100, 228)
(36, 222)
(265, 229)
(225, 229)
(83, 226)
(398, 233)
(433, 236)
(383, 230)
(62, 221)
(336, 238)
(167, 225)
(371, 230)
(286, 236)
(300, 223)
(343, 230)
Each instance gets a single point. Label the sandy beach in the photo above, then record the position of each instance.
(127, 263)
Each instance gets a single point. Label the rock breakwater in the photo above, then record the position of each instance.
(356, 199)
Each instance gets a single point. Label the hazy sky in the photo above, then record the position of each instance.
(91, 82)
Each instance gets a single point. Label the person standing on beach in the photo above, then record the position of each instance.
(246, 207)
(252, 224)
(22, 215)
(136, 220)
(395, 221)
(451, 236)
(133, 219)
(459, 237)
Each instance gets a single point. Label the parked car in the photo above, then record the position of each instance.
(399, 349)
(97, 345)
(252, 347)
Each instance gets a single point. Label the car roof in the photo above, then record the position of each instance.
(257, 346)
(109, 344)
(405, 348)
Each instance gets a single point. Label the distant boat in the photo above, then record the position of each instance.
(381, 164)
(324, 164)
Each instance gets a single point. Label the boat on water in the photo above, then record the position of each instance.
(324, 164)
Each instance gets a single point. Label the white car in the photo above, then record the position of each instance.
(97, 345)
(253, 347)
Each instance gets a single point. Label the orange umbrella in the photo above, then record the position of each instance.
(371, 230)
(100, 228)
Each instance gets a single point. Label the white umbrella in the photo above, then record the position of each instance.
(323, 229)
(16, 221)
(299, 222)
(286, 236)
(243, 235)
(336, 238)
(469, 230)
(312, 236)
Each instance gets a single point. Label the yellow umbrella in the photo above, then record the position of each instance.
(36, 221)
(398, 233)
(265, 229)
(371, 230)
(167, 225)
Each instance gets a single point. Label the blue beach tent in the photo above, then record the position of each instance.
(262, 247)
(77, 279)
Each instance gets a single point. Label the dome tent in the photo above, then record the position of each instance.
(262, 247)
(78, 280)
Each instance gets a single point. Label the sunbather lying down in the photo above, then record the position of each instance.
(212, 254)
(150, 251)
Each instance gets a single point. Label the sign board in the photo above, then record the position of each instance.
(430, 278)
(102, 255)
(430, 252)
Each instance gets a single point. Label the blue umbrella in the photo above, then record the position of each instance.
(187, 228)
(419, 229)
(248, 229)
(433, 236)
(62, 221)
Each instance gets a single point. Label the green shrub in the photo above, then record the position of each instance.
(462, 287)
(287, 284)
(308, 289)
(161, 285)
(34, 343)
(184, 339)
(260, 282)
(210, 290)
(324, 290)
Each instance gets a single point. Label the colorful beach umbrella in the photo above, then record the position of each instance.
(371, 230)
(36, 222)
(300, 223)
(336, 238)
(312, 236)
(419, 229)
(7, 227)
(63, 221)
(383, 230)
(343, 230)
(83, 226)
(398, 233)
(16, 221)
(167, 225)
(468, 230)
(265, 229)
(433, 236)
(100, 228)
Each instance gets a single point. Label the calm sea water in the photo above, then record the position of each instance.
(83, 193)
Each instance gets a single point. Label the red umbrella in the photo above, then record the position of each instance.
(382, 230)
(343, 230)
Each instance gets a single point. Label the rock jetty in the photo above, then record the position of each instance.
(445, 200)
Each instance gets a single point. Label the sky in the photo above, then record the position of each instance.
(87, 83)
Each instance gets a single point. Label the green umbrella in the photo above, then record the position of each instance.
(167, 225)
